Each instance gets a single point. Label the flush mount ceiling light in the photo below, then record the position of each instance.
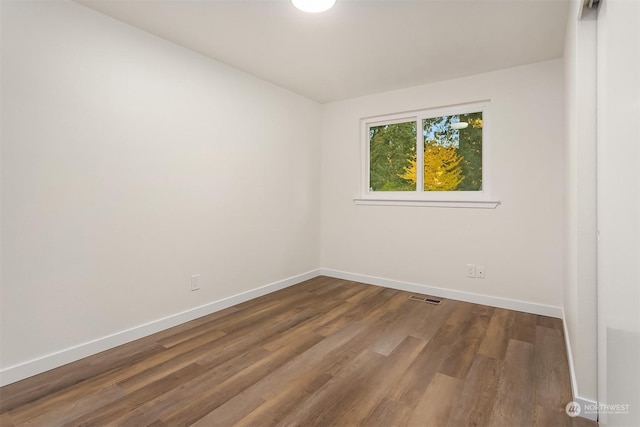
(313, 6)
(459, 125)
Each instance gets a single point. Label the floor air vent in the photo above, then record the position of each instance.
(430, 300)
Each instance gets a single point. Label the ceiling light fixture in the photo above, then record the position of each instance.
(313, 6)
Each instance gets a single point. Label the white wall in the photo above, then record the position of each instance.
(619, 209)
(521, 243)
(128, 164)
(580, 293)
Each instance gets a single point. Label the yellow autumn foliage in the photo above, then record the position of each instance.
(442, 171)
(476, 123)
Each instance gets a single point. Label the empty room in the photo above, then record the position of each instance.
(320, 213)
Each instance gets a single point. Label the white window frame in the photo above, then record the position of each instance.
(419, 197)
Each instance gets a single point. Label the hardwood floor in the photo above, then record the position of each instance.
(325, 352)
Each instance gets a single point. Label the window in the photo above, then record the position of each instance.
(431, 157)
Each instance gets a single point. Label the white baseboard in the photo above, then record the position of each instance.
(36, 366)
(567, 344)
(584, 403)
(511, 304)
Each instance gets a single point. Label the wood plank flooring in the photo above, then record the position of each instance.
(326, 352)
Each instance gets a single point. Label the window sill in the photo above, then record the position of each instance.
(469, 204)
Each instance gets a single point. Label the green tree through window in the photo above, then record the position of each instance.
(392, 147)
(452, 148)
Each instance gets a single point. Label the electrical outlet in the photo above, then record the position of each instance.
(471, 270)
(480, 272)
(195, 282)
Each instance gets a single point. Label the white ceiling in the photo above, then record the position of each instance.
(359, 47)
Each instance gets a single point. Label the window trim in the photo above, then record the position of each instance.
(476, 199)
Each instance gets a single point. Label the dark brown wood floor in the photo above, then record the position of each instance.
(325, 352)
